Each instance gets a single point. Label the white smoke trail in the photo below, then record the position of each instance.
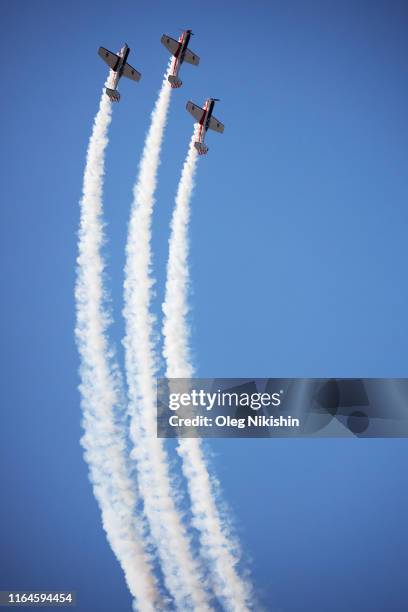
(215, 535)
(104, 439)
(180, 570)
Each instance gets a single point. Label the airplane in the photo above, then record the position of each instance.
(181, 54)
(205, 118)
(119, 68)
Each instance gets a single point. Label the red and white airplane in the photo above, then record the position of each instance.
(119, 68)
(181, 54)
(205, 118)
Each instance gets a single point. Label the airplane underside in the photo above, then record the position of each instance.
(118, 68)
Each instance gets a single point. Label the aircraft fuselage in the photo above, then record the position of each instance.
(184, 40)
(181, 52)
(122, 59)
(209, 107)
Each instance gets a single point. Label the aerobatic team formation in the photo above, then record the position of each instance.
(181, 53)
(164, 520)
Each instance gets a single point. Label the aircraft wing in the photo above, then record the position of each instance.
(170, 44)
(197, 112)
(216, 125)
(131, 73)
(108, 57)
(191, 58)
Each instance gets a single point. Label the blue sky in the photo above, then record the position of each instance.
(298, 256)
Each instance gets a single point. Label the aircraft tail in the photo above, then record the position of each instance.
(112, 94)
(201, 148)
(174, 81)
